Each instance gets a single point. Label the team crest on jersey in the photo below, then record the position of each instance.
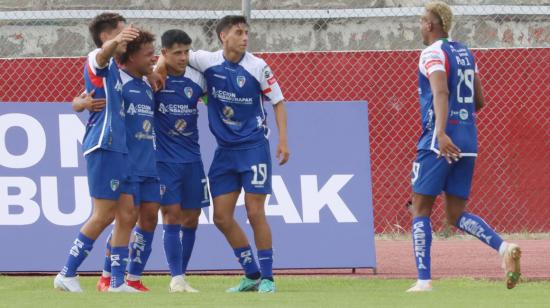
(241, 80)
(147, 126)
(115, 184)
(162, 190)
(228, 112)
(188, 92)
(180, 125)
(463, 114)
(131, 109)
(149, 94)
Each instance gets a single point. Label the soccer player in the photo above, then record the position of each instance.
(142, 181)
(183, 182)
(238, 83)
(104, 142)
(450, 95)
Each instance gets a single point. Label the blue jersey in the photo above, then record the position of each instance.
(176, 118)
(457, 61)
(105, 129)
(236, 92)
(140, 131)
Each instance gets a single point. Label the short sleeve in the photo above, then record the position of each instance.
(200, 59)
(270, 86)
(93, 67)
(432, 60)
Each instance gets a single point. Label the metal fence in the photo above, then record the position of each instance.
(342, 50)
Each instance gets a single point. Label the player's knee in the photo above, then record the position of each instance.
(191, 219)
(148, 222)
(127, 218)
(256, 215)
(103, 220)
(222, 222)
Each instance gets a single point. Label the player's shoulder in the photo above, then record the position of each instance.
(125, 78)
(193, 75)
(435, 48)
(207, 59)
(253, 64)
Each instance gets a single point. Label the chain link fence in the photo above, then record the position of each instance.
(341, 50)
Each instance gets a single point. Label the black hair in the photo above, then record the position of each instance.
(104, 22)
(229, 21)
(175, 36)
(134, 46)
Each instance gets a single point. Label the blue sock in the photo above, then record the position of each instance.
(119, 259)
(141, 250)
(422, 242)
(477, 227)
(172, 248)
(247, 261)
(265, 257)
(187, 243)
(107, 262)
(82, 246)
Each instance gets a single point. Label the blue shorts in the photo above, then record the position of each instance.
(106, 172)
(184, 184)
(430, 175)
(232, 170)
(143, 189)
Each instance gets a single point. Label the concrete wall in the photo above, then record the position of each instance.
(69, 37)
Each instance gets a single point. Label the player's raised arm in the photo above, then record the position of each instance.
(109, 47)
(438, 84)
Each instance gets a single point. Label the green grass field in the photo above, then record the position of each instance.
(302, 291)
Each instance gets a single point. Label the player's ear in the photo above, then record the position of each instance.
(163, 51)
(104, 37)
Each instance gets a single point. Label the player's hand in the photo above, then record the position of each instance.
(127, 35)
(90, 103)
(447, 148)
(157, 81)
(282, 153)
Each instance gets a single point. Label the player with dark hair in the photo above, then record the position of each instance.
(238, 84)
(104, 144)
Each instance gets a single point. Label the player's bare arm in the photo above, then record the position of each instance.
(109, 47)
(438, 84)
(280, 118)
(478, 93)
(85, 101)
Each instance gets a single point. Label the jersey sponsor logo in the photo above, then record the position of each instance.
(180, 125)
(115, 184)
(135, 91)
(118, 86)
(267, 73)
(419, 239)
(230, 97)
(220, 76)
(167, 91)
(162, 108)
(241, 80)
(146, 134)
(140, 109)
(131, 109)
(177, 109)
(463, 114)
(228, 112)
(188, 92)
(147, 126)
